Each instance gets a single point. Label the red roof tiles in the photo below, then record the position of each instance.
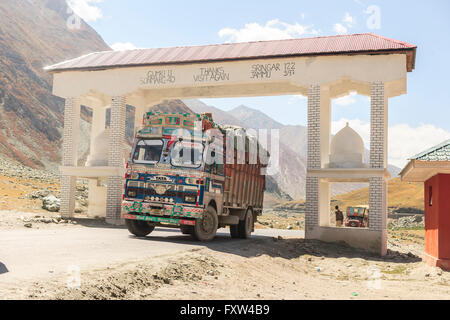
(331, 45)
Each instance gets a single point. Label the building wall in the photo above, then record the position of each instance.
(437, 216)
(444, 216)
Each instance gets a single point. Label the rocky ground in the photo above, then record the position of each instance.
(281, 219)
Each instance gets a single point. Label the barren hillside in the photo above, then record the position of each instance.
(34, 34)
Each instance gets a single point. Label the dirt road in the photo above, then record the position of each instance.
(89, 262)
(31, 254)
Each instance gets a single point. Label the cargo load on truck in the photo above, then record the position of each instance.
(185, 171)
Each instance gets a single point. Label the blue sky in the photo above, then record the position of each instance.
(418, 120)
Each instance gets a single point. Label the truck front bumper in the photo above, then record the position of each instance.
(163, 210)
(159, 219)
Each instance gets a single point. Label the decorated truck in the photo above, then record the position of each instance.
(187, 172)
(358, 217)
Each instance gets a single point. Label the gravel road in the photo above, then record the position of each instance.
(33, 254)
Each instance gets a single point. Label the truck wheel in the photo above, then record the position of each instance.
(205, 229)
(245, 227)
(186, 229)
(139, 228)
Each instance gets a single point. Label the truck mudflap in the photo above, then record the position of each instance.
(173, 221)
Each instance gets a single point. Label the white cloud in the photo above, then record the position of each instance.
(123, 46)
(272, 30)
(86, 9)
(347, 23)
(297, 98)
(404, 142)
(348, 20)
(339, 28)
(347, 100)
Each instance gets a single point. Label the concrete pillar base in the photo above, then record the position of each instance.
(114, 201)
(97, 200)
(366, 239)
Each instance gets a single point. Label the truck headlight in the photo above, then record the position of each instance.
(132, 194)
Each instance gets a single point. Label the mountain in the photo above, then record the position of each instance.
(292, 166)
(219, 116)
(34, 34)
(274, 195)
(254, 119)
(171, 106)
(300, 144)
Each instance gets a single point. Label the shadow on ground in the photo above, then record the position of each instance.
(96, 223)
(3, 268)
(286, 248)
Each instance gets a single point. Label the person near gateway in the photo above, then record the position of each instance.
(339, 217)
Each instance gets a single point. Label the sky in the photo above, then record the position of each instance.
(418, 120)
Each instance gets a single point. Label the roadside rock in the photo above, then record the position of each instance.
(51, 203)
(415, 221)
(39, 194)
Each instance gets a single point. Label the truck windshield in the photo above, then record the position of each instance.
(186, 154)
(148, 151)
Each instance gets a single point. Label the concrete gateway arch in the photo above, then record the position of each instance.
(321, 68)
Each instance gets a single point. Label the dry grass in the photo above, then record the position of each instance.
(14, 191)
(400, 195)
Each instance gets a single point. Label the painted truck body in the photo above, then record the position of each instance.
(172, 181)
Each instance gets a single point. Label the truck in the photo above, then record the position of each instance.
(185, 171)
(357, 217)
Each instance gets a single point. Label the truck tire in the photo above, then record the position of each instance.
(245, 227)
(139, 228)
(205, 229)
(186, 229)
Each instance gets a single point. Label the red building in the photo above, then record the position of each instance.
(433, 168)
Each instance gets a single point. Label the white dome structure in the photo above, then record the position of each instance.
(347, 149)
(99, 152)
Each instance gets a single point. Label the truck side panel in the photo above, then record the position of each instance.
(244, 186)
